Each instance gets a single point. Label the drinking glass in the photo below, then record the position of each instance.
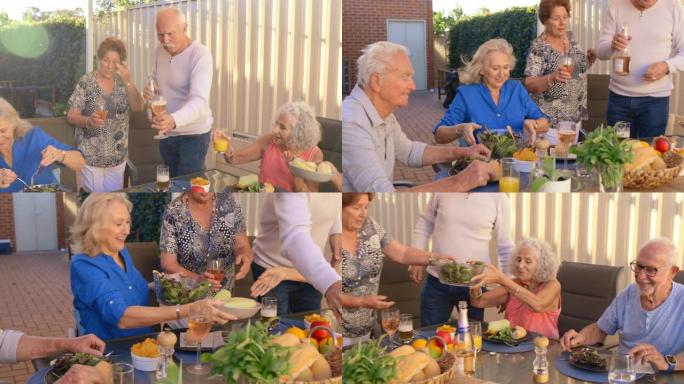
(198, 329)
(621, 369)
(405, 328)
(163, 182)
(158, 107)
(221, 145)
(217, 267)
(269, 311)
(567, 64)
(123, 373)
(101, 109)
(476, 333)
(567, 132)
(510, 176)
(622, 128)
(389, 318)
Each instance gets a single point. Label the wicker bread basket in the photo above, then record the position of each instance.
(447, 365)
(649, 179)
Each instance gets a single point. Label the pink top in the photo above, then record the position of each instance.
(274, 168)
(544, 323)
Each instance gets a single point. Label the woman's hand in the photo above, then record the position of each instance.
(267, 281)
(93, 121)
(217, 316)
(7, 177)
(530, 125)
(215, 284)
(490, 274)
(559, 76)
(376, 302)
(123, 72)
(51, 154)
(466, 130)
(416, 272)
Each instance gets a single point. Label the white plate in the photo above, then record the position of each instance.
(311, 176)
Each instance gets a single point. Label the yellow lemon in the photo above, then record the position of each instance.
(297, 332)
(419, 344)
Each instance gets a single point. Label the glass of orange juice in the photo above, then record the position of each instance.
(476, 332)
(221, 145)
(510, 176)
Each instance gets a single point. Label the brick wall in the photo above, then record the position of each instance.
(7, 219)
(365, 22)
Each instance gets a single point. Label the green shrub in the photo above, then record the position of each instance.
(517, 25)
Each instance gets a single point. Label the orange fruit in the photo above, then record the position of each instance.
(313, 342)
(326, 345)
(297, 332)
(419, 344)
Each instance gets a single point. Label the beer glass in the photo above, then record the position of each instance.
(405, 328)
(163, 181)
(269, 311)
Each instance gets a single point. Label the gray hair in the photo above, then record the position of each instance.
(663, 244)
(470, 73)
(376, 58)
(7, 112)
(547, 260)
(306, 132)
(174, 11)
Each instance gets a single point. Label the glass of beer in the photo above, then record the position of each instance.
(389, 318)
(269, 311)
(510, 176)
(199, 327)
(405, 328)
(158, 107)
(217, 268)
(163, 181)
(567, 64)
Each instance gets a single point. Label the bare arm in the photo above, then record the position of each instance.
(138, 316)
(135, 100)
(545, 299)
(447, 134)
(251, 152)
(33, 347)
(73, 160)
(169, 263)
(538, 84)
(244, 255)
(335, 242)
(493, 298)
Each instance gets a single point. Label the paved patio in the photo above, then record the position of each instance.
(417, 120)
(36, 299)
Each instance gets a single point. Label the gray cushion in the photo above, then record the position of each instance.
(331, 145)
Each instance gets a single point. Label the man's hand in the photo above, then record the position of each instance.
(647, 353)
(417, 272)
(333, 296)
(163, 123)
(656, 71)
(7, 177)
(477, 151)
(571, 339)
(477, 174)
(244, 260)
(591, 56)
(81, 374)
(267, 281)
(620, 41)
(90, 344)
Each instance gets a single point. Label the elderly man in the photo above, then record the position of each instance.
(647, 314)
(15, 346)
(372, 138)
(656, 48)
(184, 70)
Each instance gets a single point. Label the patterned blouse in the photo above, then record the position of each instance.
(361, 276)
(182, 235)
(106, 146)
(562, 101)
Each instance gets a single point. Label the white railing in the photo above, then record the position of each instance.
(266, 52)
(586, 19)
(585, 227)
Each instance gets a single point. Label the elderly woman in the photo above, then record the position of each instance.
(364, 245)
(560, 94)
(110, 295)
(26, 152)
(296, 133)
(103, 138)
(532, 298)
(489, 99)
(198, 227)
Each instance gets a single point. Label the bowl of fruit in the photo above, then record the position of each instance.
(652, 166)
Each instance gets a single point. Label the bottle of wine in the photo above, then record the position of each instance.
(621, 58)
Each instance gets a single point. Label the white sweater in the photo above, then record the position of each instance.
(293, 231)
(462, 225)
(185, 81)
(657, 35)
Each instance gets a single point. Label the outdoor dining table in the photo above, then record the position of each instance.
(121, 350)
(220, 180)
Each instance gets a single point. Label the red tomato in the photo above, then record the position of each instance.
(446, 336)
(662, 144)
(320, 334)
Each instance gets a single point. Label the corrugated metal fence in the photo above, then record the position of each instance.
(586, 227)
(266, 52)
(586, 19)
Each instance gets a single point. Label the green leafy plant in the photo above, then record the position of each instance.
(602, 149)
(548, 173)
(249, 354)
(368, 363)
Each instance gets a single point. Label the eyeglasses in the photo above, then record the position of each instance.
(649, 271)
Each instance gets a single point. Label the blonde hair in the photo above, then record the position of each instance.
(470, 73)
(376, 58)
(86, 232)
(21, 126)
(306, 132)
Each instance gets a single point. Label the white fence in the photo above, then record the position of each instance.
(586, 19)
(586, 227)
(266, 52)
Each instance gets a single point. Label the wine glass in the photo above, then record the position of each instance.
(123, 373)
(621, 368)
(199, 326)
(101, 109)
(567, 63)
(389, 318)
(566, 136)
(221, 144)
(158, 106)
(217, 267)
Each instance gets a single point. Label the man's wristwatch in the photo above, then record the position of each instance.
(671, 363)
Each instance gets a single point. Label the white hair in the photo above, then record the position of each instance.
(174, 11)
(471, 72)
(547, 261)
(376, 58)
(306, 132)
(664, 244)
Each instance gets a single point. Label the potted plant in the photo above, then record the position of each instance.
(549, 179)
(602, 149)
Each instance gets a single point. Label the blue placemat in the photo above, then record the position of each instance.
(563, 366)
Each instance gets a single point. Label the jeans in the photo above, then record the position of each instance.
(293, 296)
(184, 154)
(437, 300)
(647, 115)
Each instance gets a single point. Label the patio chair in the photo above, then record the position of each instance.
(586, 291)
(396, 284)
(331, 146)
(145, 257)
(679, 277)
(143, 151)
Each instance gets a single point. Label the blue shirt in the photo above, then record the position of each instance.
(662, 327)
(102, 291)
(26, 157)
(474, 104)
